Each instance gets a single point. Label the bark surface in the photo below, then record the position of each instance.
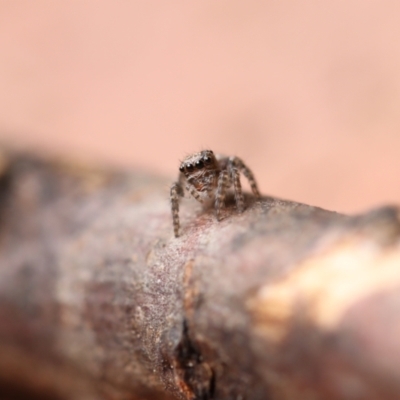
(98, 300)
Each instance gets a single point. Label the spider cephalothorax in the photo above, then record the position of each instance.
(207, 177)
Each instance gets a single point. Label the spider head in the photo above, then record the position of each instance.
(202, 161)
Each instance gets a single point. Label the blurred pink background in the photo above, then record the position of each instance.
(307, 93)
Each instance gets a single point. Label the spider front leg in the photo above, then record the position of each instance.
(223, 180)
(192, 190)
(175, 193)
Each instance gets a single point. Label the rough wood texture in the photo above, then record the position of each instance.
(99, 300)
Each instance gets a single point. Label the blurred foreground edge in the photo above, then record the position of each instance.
(98, 300)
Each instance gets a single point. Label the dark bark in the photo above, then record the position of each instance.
(99, 300)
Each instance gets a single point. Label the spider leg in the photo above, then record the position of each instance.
(237, 187)
(175, 193)
(192, 190)
(242, 167)
(223, 181)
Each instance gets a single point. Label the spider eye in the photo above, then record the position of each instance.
(207, 160)
(199, 164)
(181, 168)
(189, 167)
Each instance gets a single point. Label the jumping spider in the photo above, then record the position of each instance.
(207, 177)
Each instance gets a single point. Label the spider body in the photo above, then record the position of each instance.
(207, 177)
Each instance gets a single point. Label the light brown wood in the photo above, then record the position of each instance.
(98, 299)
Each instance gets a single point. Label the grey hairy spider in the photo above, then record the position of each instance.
(207, 177)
